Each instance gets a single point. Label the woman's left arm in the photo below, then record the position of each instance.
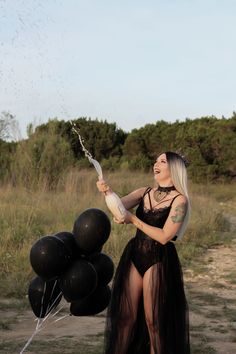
(172, 224)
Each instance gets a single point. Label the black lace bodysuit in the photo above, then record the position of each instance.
(167, 302)
(146, 251)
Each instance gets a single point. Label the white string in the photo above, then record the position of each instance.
(49, 324)
(51, 307)
(37, 329)
(54, 285)
(54, 314)
(41, 321)
(61, 318)
(44, 290)
(40, 327)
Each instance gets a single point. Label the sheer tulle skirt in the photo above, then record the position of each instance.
(169, 306)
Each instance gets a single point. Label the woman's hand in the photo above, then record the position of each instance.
(102, 186)
(128, 218)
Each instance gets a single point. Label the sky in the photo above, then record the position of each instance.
(131, 62)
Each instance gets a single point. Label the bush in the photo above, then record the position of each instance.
(140, 162)
(41, 160)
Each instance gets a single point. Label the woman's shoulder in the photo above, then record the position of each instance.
(144, 190)
(140, 192)
(179, 198)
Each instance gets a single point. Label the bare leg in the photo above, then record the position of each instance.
(149, 298)
(127, 317)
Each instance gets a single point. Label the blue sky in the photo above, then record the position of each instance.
(129, 62)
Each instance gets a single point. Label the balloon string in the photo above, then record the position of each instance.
(52, 315)
(49, 324)
(61, 318)
(37, 329)
(40, 321)
(54, 286)
(48, 307)
(51, 307)
(40, 327)
(44, 290)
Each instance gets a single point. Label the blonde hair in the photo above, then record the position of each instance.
(178, 174)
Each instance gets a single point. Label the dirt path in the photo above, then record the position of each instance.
(69, 335)
(212, 298)
(210, 289)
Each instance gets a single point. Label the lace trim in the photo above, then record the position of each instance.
(155, 210)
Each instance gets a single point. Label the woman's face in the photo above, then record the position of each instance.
(161, 169)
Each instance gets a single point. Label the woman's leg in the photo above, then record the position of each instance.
(128, 311)
(150, 291)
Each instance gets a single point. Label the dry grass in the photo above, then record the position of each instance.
(27, 215)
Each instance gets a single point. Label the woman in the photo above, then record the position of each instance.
(148, 312)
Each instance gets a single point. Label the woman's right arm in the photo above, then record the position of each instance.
(130, 200)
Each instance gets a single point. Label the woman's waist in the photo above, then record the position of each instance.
(141, 236)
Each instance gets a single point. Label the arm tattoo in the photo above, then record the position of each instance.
(180, 212)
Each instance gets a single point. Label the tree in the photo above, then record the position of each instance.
(42, 158)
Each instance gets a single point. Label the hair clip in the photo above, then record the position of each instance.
(185, 160)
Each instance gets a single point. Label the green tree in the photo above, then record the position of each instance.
(42, 158)
(101, 139)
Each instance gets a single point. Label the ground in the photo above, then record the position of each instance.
(210, 289)
(212, 298)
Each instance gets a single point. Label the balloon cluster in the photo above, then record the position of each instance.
(72, 265)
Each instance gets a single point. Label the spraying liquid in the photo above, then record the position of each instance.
(112, 200)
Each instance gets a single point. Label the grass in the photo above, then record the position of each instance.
(202, 348)
(221, 330)
(5, 325)
(231, 277)
(13, 304)
(218, 285)
(27, 215)
(229, 313)
(66, 345)
(212, 300)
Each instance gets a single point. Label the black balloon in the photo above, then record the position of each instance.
(44, 296)
(91, 230)
(92, 304)
(104, 267)
(49, 257)
(69, 241)
(79, 280)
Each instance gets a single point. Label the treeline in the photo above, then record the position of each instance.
(53, 148)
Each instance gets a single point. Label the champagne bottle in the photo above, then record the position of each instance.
(115, 205)
(112, 200)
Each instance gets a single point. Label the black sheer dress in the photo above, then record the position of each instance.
(169, 305)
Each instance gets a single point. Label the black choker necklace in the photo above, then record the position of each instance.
(161, 192)
(166, 189)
